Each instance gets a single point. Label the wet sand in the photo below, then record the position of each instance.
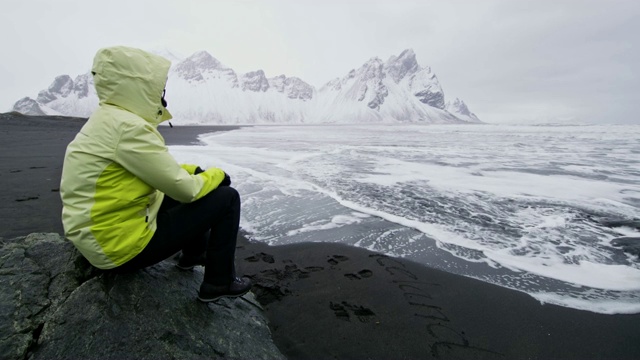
(331, 301)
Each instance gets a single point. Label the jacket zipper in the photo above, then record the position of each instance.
(146, 218)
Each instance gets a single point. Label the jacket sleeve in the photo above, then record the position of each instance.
(191, 168)
(141, 151)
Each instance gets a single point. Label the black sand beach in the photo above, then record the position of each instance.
(330, 301)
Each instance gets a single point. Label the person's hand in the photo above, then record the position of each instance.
(226, 181)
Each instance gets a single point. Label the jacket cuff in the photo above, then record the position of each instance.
(190, 168)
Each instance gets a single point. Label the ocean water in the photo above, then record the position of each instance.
(518, 206)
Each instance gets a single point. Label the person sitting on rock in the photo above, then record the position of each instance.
(127, 204)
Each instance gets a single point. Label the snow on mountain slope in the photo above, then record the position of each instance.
(461, 111)
(202, 90)
(398, 90)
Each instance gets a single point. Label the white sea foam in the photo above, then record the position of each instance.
(336, 222)
(523, 200)
(584, 273)
(599, 306)
(627, 231)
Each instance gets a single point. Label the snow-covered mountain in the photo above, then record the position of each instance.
(63, 97)
(202, 90)
(395, 90)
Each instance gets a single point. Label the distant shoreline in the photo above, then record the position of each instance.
(176, 135)
(188, 134)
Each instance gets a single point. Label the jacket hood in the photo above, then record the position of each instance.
(132, 79)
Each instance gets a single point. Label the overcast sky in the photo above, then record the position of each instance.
(509, 60)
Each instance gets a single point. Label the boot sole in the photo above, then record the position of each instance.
(185, 268)
(190, 267)
(207, 300)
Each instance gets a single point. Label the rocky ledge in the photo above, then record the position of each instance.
(53, 304)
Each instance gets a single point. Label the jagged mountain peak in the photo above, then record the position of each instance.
(407, 53)
(458, 106)
(278, 82)
(258, 72)
(255, 81)
(399, 66)
(28, 106)
(372, 69)
(62, 85)
(460, 109)
(193, 67)
(374, 62)
(82, 84)
(204, 59)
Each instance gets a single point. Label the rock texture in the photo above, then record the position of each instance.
(255, 81)
(293, 87)
(28, 106)
(195, 67)
(53, 304)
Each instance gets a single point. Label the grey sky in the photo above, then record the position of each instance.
(509, 60)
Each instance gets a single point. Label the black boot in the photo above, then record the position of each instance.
(238, 287)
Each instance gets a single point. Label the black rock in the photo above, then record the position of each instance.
(54, 305)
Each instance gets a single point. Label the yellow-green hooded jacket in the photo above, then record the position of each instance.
(117, 169)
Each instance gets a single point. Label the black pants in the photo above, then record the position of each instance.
(208, 224)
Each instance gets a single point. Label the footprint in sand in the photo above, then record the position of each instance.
(339, 310)
(344, 310)
(360, 275)
(314, 268)
(336, 259)
(28, 198)
(290, 271)
(261, 256)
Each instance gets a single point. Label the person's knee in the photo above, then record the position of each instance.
(230, 193)
(224, 194)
